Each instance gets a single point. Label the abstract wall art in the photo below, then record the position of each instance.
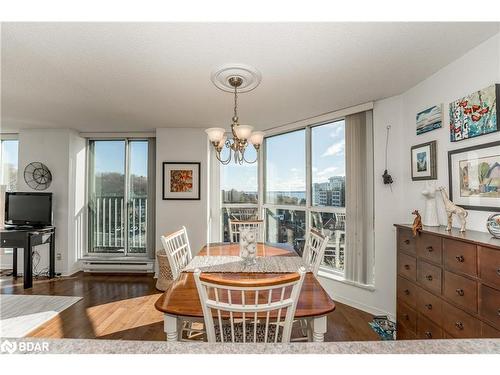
(429, 119)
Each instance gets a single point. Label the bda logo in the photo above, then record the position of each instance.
(8, 347)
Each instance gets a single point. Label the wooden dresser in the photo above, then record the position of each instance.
(448, 284)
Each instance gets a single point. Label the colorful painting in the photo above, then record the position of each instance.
(423, 161)
(474, 174)
(475, 114)
(181, 180)
(480, 177)
(430, 119)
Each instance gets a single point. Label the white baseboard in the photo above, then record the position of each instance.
(360, 306)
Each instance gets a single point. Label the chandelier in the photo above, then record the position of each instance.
(242, 135)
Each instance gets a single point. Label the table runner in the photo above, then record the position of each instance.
(234, 264)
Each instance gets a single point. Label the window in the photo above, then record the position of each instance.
(118, 195)
(239, 192)
(285, 178)
(9, 163)
(285, 188)
(328, 189)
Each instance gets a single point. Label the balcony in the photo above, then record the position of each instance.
(110, 234)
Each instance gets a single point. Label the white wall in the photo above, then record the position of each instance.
(63, 152)
(174, 145)
(475, 70)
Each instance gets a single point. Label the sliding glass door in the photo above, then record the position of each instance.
(118, 193)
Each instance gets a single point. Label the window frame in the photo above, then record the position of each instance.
(12, 137)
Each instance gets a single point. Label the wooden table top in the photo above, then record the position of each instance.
(181, 298)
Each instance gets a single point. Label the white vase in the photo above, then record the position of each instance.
(430, 218)
(248, 245)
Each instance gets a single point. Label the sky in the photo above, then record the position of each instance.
(286, 160)
(10, 151)
(110, 157)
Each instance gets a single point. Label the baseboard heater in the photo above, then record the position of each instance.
(117, 266)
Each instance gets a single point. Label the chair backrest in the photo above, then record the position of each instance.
(242, 213)
(178, 251)
(314, 250)
(249, 309)
(235, 227)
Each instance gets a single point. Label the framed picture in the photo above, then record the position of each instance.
(429, 119)
(474, 177)
(181, 180)
(423, 161)
(475, 114)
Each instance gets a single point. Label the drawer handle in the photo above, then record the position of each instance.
(430, 249)
(429, 306)
(406, 316)
(407, 266)
(407, 292)
(459, 325)
(498, 271)
(428, 334)
(460, 292)
(429, 277)
(407, 242)
(460, 258)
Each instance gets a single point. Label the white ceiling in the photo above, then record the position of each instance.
(141, 76)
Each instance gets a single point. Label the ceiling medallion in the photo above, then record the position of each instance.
(235, 78)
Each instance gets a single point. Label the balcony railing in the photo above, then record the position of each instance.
(109, 223)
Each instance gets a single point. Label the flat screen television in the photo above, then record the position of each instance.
(28, 209)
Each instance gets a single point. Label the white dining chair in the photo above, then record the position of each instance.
(314, 250)
(235, 227)
(178, 252)
(249, 310)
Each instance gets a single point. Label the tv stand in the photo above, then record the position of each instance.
(27, 238)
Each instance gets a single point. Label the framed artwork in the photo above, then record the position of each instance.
(475, 114)
(429, 119)
(474, 177)
(423, 161)
(181, 180)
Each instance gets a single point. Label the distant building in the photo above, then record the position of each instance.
(331, 193)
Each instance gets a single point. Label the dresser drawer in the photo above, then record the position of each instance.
(488, 331)
(429, 305)
(460, 257)
(407, 292)
(461, 291)
(489, 304)
(403, 333)
(429, 276)
(8, 242)
(407, 266)
(427, 329)
(406, 241)
(429, 247)
(459, 324)
(489, 265)
(407, 316)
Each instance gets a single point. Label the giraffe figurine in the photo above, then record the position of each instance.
(451, 208)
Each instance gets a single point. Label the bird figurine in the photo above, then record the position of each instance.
(417, 223)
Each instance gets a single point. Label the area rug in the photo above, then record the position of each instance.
(21, 314)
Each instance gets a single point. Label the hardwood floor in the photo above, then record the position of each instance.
(122, 307)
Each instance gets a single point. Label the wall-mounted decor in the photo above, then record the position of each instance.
(37, 176)
(474, 176)
(424, 161)
(181, 180)
(475, 114)
(430, 119)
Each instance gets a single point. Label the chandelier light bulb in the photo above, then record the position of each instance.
(215, 135)
(243, 132)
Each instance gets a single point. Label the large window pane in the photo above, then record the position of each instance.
(286, 226)
(239, 182)
(328, 164)
(332, 225)
(138, 196)
(9, 162)
(285, 169)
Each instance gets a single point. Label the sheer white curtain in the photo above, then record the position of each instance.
(359, 198)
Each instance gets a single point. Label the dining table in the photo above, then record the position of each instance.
(181, 299)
